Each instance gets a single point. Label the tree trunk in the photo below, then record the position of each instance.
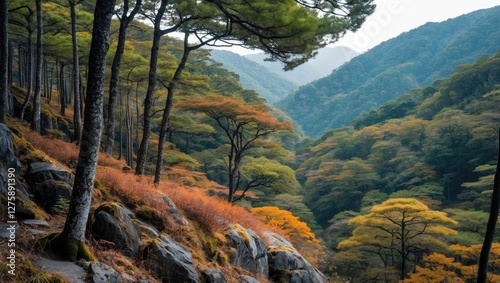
(35, 121)
(30, 72)
(128, 121)
(482, 273)
(168, 108)
(115, 72)
(4, 54)
(10, 71)
(77, 120)
(62, 89)
(148, 100)
(74, 228)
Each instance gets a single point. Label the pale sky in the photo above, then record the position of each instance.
(393, 17)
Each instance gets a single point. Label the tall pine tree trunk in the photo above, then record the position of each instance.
(148, 100)
(115, 72)
(77, 117)
(72, 237)
(168, 108)
(35, 121)
(482, 273)
(29, 61)
(4, 54)
(62, 89)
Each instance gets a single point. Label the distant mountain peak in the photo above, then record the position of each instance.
(327, 59)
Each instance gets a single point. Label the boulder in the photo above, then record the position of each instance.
(98, 272)
(286, 264)
(170, 261)
(174, 212)
(214, 275)
(52, 195)
(42, 171)
(7, 155)
(112, 223)
(247, 250)
(248, 279)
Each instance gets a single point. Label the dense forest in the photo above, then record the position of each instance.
(414, 59)
(192, 163)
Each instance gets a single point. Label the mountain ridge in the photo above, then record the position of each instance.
(417, 58)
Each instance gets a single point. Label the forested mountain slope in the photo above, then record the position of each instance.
(431, 153)
(411, 60)
(254, 76)
(440, 148)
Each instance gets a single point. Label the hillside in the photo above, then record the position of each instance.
(411, 60)
(266, 83)
(437, 145)
(327, 59)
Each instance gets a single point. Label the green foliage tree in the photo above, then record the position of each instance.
(397, 231)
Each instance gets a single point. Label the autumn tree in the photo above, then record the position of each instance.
(243, 125)
(492, 221)
(292, 226)
(71, 239)
(460, 265)
(397, 231)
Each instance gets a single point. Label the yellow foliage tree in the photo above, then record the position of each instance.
(460, 268)
(298, 231)
(397, 231)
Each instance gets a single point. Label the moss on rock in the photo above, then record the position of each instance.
(67, 247)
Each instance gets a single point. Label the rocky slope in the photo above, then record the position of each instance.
(135, 238)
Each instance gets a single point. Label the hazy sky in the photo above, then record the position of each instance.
(392, 17)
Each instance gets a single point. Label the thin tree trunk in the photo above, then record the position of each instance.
(76, 75)
(148, 100)
(4, 54)
(115, 72)
(482, 273)
(74, 228)
(21, 65)
(35, 121)
(62, 89)
(30, 73)
(51, 84)
(168, 108)
(11, 59)
(120, 120)
(128, 121)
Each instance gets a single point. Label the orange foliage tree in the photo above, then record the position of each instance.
(291, 225)
(245, 126)
(460, 268)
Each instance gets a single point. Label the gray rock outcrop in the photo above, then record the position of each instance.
(171, 261)
(213, 275)
(286, 264)
(52, 195)
(98, 272)
(112, 223)
(247, 250)
(42, 171)
(174, 212)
